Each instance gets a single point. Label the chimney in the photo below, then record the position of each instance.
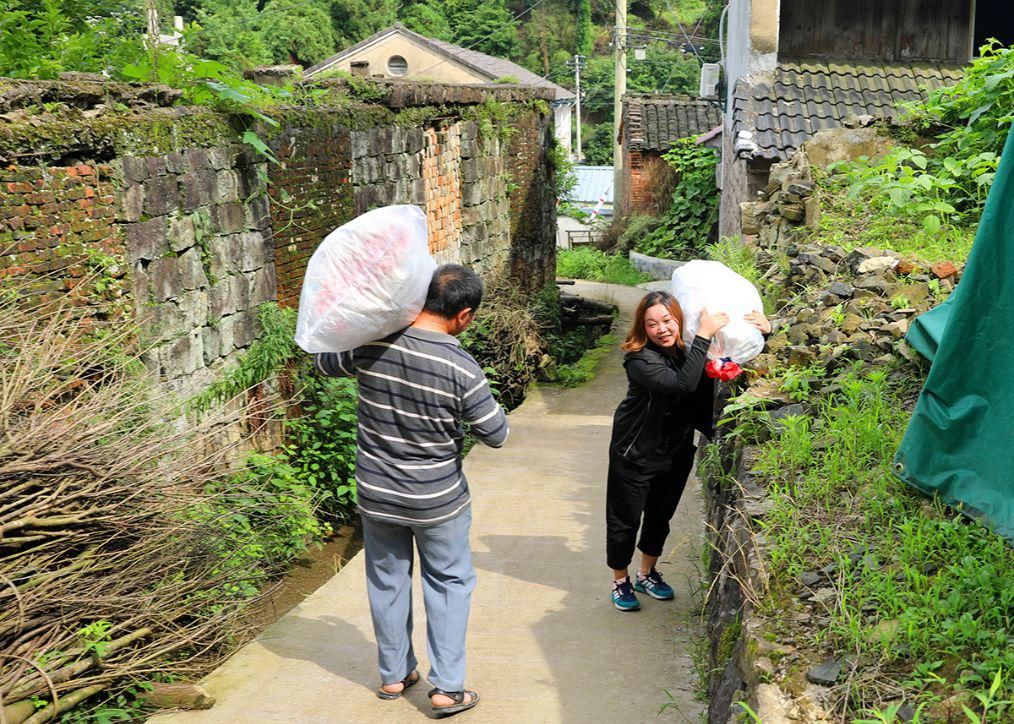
(361, 68)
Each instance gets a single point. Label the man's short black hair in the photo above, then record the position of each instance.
(454, 287)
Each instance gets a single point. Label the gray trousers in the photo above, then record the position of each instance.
(448, 579)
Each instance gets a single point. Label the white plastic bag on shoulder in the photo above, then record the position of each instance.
(367, 279)
(702, 284)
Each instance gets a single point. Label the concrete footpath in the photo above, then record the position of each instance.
(545, 643)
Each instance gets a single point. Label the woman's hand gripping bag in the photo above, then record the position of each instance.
(366, 280)
(711, 285)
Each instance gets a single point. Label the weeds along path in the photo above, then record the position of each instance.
(545, 643)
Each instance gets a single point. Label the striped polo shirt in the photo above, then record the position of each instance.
(416, 388)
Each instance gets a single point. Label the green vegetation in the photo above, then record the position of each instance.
(562, 168)
(848, 224)
(687, 224)
(918, 597)
(320, 448)
(589, 263)
(265, 358)
(583, 370)
(927, 199)
(263, 516)
(42, 39)
(636, 228)
(921, 594)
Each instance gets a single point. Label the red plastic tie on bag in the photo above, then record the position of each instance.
(722, 369)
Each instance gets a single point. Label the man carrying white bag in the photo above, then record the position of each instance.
(702, 284)
(373, 307)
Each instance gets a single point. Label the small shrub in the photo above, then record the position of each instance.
(592, 264)
(637, 227)
(688, 222)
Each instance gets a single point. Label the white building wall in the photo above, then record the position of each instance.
(561, 115)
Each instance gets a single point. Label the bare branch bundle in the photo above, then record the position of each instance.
(511, 338)
(110, 561)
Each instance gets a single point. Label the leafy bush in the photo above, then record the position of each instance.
(945, 186)
(262, 517)
(904, 183)
(595, 265)
(976, 113)
(687, 224)
(638, 226)
(322, 445)
(43, 39)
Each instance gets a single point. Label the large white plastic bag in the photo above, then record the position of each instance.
(366, 280)
(711, 285)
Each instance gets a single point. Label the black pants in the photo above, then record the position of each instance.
(633, 491)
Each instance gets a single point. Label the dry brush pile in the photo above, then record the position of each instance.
(111, 554)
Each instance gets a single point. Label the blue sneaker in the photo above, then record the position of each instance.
(654, 586)
(623, 596)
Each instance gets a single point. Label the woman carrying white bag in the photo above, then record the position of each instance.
(670, 393)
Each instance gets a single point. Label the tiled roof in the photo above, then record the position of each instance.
(487, 65)
(654, 122)
(785, 107)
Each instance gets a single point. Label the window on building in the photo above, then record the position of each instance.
(993, 20)
(397, 66)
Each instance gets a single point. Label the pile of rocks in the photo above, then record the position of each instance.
(854, 305)
(787, 199)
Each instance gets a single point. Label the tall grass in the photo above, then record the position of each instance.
(595, 265)
(923, 596)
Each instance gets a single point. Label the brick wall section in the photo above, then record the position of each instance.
(442, 182)
(637, 195)
(532, 209)
(452, 172)
(311, 195)
(196, 229)
(57, 228)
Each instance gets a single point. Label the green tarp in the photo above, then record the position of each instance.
(960, 442)
(928, 329)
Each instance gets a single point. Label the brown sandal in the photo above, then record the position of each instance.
(411, 680)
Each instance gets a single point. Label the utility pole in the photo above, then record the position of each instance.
(152, 17)
(152, 13)
(619, 88)
(577, 106)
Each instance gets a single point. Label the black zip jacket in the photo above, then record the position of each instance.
(669, 396)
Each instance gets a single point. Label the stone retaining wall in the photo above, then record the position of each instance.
(842, 308)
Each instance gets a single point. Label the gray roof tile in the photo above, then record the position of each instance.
(656, 121)
(786, 106)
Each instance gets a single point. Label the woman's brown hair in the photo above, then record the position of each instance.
(637, 337)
